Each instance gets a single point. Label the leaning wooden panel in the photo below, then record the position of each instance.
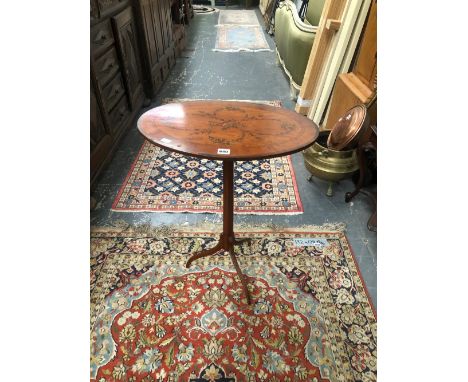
(359, 86)
(366, 64)
(333, 10)
(334, 63)
(356, 37)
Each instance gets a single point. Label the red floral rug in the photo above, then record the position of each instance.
(162, 181)
(154, 320)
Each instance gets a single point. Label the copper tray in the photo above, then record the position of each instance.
(346, 133)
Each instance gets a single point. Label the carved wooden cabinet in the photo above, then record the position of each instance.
(94, 10)
(132, 52)
(127, 46)
(107, 7)
(101, 139)
(110, 98)
(151, 43)
(157, 42)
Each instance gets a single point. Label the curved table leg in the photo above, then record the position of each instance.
(362, 170)
(204, 253)
(372, 222)
(240, 274)
(227, 239)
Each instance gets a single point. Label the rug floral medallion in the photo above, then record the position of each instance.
(152, 319)
(163, 181)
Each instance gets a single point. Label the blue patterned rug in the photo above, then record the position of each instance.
(163, 181)
(237, 38)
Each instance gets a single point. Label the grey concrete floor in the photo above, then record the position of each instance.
(204, 74)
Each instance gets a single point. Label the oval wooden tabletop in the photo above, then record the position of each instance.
(227, 129)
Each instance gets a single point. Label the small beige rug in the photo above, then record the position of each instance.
(235, 17)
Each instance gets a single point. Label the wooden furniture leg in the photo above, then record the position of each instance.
(362, 172)
(207, 252)
(368, 143)
(227, 239)
(372, 222)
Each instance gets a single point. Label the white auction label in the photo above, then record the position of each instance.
(224, 151)
(309, 242)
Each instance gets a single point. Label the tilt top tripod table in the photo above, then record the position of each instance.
(227, 131)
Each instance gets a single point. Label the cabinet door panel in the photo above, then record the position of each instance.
(162, 5)
(118, 116)
(101, 38)
(127, 44)
(113, 92)
(158, 29)
(167, 13)
(94, 11)
(107, 66)
(108, 6)
(98, 130)
(149, 26)
(162, 22)
(101, 140)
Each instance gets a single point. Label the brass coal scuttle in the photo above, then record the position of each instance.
(333, 156)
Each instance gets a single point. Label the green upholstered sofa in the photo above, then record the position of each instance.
(294, 39)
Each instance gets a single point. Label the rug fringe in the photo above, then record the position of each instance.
(206, 13)
(242, 50)
(121, 226)
(266, 213)
(238, 25)
(274, 102)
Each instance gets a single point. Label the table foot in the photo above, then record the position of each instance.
(372, 222)
(240, 274)
(350, 195)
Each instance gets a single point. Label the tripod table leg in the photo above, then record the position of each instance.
(205, 253)
(239, 273)
(228, 219)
